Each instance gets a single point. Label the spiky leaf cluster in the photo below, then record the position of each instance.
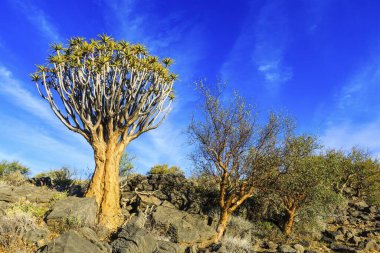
(107, 83)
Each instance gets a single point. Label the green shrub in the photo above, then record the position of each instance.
(62, 178)
(165, 169)
(34, 209)
(7, 168)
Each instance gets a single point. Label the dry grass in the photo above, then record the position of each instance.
(236, 244)
(12, 231)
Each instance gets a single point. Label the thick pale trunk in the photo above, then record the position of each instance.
(222, 224)
(290, 221)
(104, 185)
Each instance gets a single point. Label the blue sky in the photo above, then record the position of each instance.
(317, 60)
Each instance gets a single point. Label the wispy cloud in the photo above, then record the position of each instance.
(355, 119)
(271, 40)
(40, 20)
(45, 138)
(259, 49)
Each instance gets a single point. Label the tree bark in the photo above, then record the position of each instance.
(222, 224)
(290, 221)
(104, 185)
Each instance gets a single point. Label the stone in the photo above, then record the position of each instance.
(167, 247)
(299, 248)
(132, 239)
(35, 235)
(12, 194)
(286, 249)
(354, 240)
(342, 248)
(372, 246)
(70, 210)
(71, 242)
(182, 227)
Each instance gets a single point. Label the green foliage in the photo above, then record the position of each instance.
(61, 178)
(7, 168)
(165, 169)
(304, 186)
(356, 173)
(97, 55)
(126, 165)
(34, 209)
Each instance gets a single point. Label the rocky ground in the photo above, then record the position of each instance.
(163, 214)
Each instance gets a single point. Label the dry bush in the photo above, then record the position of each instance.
(15, 178)
(28, 208)
(239, 227)
(12, 231)
(236, 244)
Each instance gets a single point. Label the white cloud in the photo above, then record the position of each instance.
(355, 118)
(347, 134)
(39, 19)
(46, 137)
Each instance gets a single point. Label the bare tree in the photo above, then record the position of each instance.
(241, 154)
(110, 92)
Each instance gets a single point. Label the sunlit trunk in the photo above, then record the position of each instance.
(290, 221)
(104, 185)
(222, 224)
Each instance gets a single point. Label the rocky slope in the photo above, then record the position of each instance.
(163, 214)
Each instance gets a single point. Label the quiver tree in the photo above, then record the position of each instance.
(110, 92)
(240, 154)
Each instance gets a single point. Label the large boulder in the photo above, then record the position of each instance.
(78, 212)
(181, 227)
(132, 239)
(75, 242)
(12, 194)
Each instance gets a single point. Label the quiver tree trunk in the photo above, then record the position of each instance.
(104, 185)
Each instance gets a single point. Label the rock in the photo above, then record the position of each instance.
(182, 227)
(372, 246)
(12, 194)
(35, 235)
(342, 248)
(299, 248)
(91, 236)
(167, 247)
(71, 242)
(354, 240)
(361, 205)
(78, 212)
(41, 181)
(286, 249)
(132, 239)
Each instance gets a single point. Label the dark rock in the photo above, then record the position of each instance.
(81, 211)
(41, 181)
(133, 240)
(35, 235)
(31, 193)
(72, 242)
(342, 248)
(354, 240)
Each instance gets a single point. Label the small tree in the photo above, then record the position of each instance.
(304, 185)
(356, 172)
(7, 168)
(126, 165)
(165, 169)
(110, 92)
(240, 154)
